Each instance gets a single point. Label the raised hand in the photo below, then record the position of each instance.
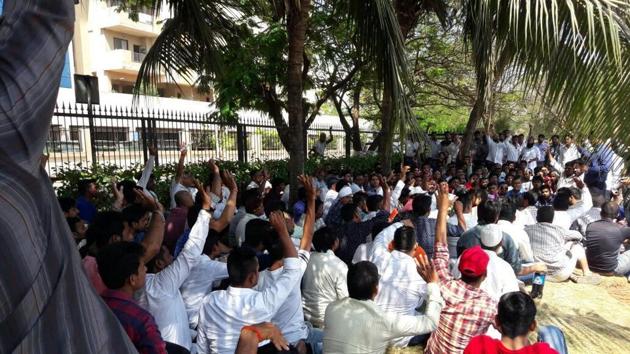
(277, 221)
(152, 150)
(206, 201)
(213, 166)
(230, 181)
(442, 196)
(309, 188)
(148, 203)
(183, 148)
(425, 269)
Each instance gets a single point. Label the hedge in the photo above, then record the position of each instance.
(67, 179)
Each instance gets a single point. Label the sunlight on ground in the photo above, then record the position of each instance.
(595, 319)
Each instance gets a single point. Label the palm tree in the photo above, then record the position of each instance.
(576, 49)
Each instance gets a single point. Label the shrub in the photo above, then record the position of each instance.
(67, 179)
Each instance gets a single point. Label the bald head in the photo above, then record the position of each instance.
(610, 210)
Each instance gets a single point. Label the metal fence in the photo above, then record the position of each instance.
(81, 136)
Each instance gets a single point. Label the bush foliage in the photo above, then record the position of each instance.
(67, 179)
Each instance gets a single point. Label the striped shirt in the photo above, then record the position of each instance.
(548, 244)
(468, 312)
(47, 303)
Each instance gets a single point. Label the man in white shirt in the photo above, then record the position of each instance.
(161, 295)
(320, 146)
(496, 149)
(512, 149)
(182, 181)
(331, 195)
(224, 313)
(568, 151)
(324, 280)
(290, 316)
(254, 209)
(260, 181)
(516, 232)
(357, 325)
(401, 288)
(569, 205)
(531, 154)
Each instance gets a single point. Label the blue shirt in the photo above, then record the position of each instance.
(87, 210)
(181, 241)
(425, 233)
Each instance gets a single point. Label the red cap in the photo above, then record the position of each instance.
(474, 262)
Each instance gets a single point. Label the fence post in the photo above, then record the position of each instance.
(241, 142)
(144, 140)
(91, 125)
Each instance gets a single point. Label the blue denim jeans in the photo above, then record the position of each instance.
(553, 336)
(315, 339)
(623, 264)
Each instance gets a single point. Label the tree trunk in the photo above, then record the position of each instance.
(471, 126)
(297, 18)
(387, 132)
(355, 114)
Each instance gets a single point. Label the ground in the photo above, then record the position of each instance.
(594, 319)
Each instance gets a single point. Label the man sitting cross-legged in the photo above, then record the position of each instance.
(468, 310)
(401, 288)
(223, 313)
(290, 316)
(356, 325)
(161, 295)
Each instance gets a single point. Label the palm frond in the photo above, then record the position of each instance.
(577, 49)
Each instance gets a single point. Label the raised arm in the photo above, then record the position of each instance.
(152, 241)
(215, 184)
(330, 136)
(279, 224)
(386, 193)
(440, 255)
(180, 165)
(35, 38)
(148, 168)
(309, 220)
(230, 205)
(400, 185)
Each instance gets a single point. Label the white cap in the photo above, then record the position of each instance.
(491, 235)
(345, 192)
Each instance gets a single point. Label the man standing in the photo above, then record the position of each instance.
(319, 149)
(51, 295)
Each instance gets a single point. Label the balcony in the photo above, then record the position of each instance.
(124, 61)
(120, 22)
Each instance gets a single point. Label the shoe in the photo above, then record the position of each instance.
(593, 279)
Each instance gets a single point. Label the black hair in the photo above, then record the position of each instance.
(537, 178)
(488, 212)
(378, 227)
(348, 211)
(72, 223)
(362, 280)
(252, 200)
(529, 197)
(576, 193)
(516, 313)
(67, 203)
(117, 262)
(301, 193)
(84, 184)
(105, 225)
(421, 204)
(464, 197)
(179, 199)
(241, 263)
(152, 264)
(374, 202)
(404, 193)
(259, 232)
(128, 190)
(214, 237)
(405, 239)
(331, 182)
(610, 210)
(561, 200)
(545, 186)
(133, 213)
(359, 197)
(324, 239)
(508, 212)
(340, 184)
(275, 205)
(545, 214)
(193, 214)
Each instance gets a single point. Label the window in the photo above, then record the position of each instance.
(139, 53)
(120, 43)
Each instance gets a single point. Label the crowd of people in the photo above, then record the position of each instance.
(437, 254)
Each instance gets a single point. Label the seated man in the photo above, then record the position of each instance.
(354, 232)
(161, 295)
(425, 225)
(488, 213)
(290, 316)
(515, 319)
(507, 224)
(401, 288)
(569, 205)
(324, 280)
(500, 277)
(357, 325)
(604, 239)
(558, 248)
(123, 271)
(223, 313)
(468, 310)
